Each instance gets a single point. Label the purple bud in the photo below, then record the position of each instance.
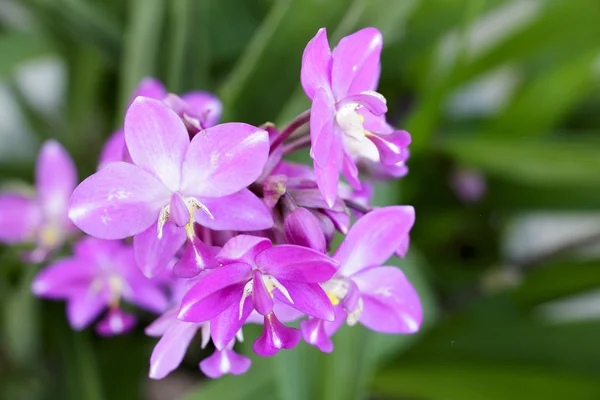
(304, 229)
(196, 258)
(313, 331)
(115, 322)
(468, 184)
(275, 337)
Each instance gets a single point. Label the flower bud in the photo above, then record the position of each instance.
(302, 228)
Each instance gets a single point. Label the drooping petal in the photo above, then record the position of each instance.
(160, 325)
(241, 211)
(328, 176)
(356, 64)
(390, 303)
(322, 122)
(223, 362)
(308, 298)
(55, 180)
(374, 238)
(302, 228)
(313, 332)
(20, 216)
(391, 147)
(261, 298)
(226, 325)
(157, 140)
(62, 279)
(204, 105)
(243, 248)
(170, 349)
(316, 64)
(196, 258)
(149, 87)
(118, 201)
(224, 159)
(295, 263)
(212, 294)
(83, 307)
(115, 322)
(275, 337)
(152, 255)
(113, 150)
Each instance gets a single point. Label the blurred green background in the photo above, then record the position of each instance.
(508, 90)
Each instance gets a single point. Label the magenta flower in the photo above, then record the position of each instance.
(99, 275)
(170, 180)
(379, 297)
(41, 219)
(252, 274)
(340, 83)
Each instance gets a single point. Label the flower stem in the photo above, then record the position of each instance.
(300, 120)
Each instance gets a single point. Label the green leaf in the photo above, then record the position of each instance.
(17, 47)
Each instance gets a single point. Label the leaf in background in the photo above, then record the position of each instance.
(544, 162)
(17, 47)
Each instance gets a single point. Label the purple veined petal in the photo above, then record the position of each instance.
(391, 147)
(340, 219)
(224, 159)
(261, 298)
(160, 325)
(20, 216)
(390, 303)
(216, 291)
(313, 332)
(374, 238)
(113, 150)
(302, 228)
(350, 171)
(295, 263)
(61, 279)
(206, 106)
(223, 362)
(152, 255)
(322, 123)
(226, 325)
(170, 349)
(275, 337)
(149, 87)
(83, 307)
(196, 258)
(115, 322)
(157, 140)
(147, 295)
(402, 250)
(241, 211)
(316, 64)
(118, 201)
(308, 298)
(55, 180)
(374, 102)
(243, 248)
(356, 66)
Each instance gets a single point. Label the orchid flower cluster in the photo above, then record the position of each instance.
(209, 226)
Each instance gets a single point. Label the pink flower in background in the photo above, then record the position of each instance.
(170, 180)
(379, 297)
(99, 275)
(341, 86)
(41, 219)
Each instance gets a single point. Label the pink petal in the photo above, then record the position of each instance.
(275, 337)
(374, 238)
(243, 248)
(350, 171)
(196, 258)
(356, 65)
(178, 211)
(372, 101)
(61, 279)
(118, 201)
(302, 228)
(224, 159)
(316, 64)
(261, 298)
(223, 362)
(146, 294)
(390, 303)
(216, 291)
(391, 147)
(170, 349)
(312, 198)
(328, 175)
(152, 254)
(83, 307)
(160, 325)
(322, 123)
(225, 326)
(241, 211)
(157, 140)
(313, 332)
(204, 105)
(149, 87)
(115, 322)
(113, 150)
(20, 216)
(402, 250)
(55, 180)
(295, 263)
(308, 298)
